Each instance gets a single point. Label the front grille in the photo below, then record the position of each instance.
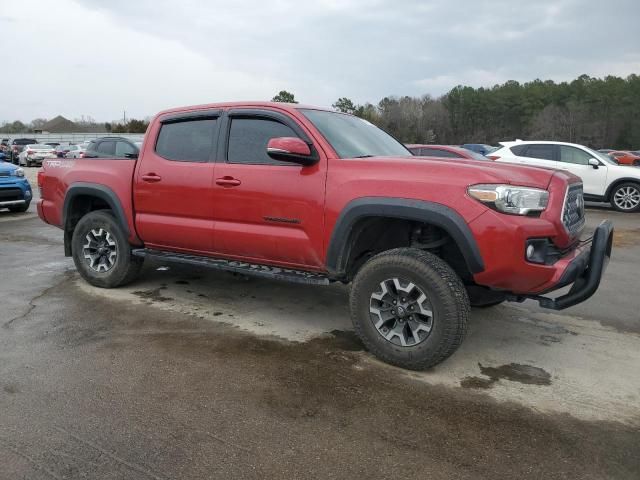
(4, 174)
(573, 210)
(9, 194)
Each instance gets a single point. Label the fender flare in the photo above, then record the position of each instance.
(400, 208)
(94, 190)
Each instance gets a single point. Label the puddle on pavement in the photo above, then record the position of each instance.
(626, 237)
(514, 372)
(153, 295)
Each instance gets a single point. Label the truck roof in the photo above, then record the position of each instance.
(281, 105)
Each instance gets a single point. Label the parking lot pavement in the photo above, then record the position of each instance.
(195, 374)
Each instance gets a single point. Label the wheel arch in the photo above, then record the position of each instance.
(618, 182)
(345, 232)
(82, 198)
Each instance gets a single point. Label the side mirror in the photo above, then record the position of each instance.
(594, 163)
(131, 155)
(290, 149)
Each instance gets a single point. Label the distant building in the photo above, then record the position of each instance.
(60, 124)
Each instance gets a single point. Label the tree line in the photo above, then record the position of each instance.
(83, 124)
(600, 113)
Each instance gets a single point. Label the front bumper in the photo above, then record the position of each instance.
(584, 272)
(14, 192)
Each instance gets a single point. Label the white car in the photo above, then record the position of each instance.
(603, 179)
(77, 151)
(35, 153)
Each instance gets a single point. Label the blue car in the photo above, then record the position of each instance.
(15, 191)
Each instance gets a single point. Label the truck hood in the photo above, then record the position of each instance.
(475, 171)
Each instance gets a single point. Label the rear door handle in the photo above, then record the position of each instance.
(228, 181)
(151, 178)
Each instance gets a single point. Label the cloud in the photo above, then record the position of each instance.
(97, 58)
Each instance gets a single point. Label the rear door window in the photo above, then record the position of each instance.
(187, 140)
(107, 148)
(541, 151)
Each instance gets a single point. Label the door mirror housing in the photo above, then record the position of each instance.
(290, 149)
(594, 163)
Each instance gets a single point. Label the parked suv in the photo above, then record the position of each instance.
(15, 191)
(603, 179)
(112, 147)
(314, 196)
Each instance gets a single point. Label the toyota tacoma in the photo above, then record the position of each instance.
(308, 195)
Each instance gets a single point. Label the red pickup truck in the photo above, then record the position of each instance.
(309, 195)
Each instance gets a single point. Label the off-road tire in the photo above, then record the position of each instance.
(630, 186)
(445, 291)
(20, 208)
(125, 267)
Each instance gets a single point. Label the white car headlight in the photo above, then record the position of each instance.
(18, 172)
(511, 198)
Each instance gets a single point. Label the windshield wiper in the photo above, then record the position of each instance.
(364, 156)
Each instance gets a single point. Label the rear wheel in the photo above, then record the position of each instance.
(101, 251)
(626, 197)
(409, 308)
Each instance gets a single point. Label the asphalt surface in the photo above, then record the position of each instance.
(195, 374)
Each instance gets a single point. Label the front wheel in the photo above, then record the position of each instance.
(626, 197)
(409, 308)
(101, 251)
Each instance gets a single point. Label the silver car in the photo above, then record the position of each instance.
(35, 153)
(77, 151)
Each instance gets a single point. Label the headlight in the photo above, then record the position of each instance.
(511, 199)
(18, 172)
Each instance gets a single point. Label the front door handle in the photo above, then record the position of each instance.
(227, 181)
(151, 178)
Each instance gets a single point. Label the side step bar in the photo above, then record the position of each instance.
(265, 271)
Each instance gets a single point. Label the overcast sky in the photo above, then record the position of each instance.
(97, 58)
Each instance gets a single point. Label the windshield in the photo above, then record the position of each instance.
(353, 137)
(40, 146)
